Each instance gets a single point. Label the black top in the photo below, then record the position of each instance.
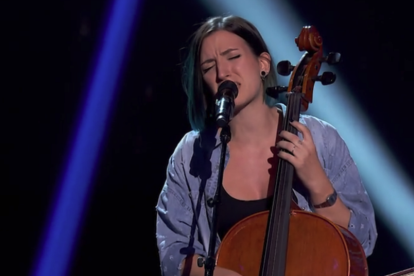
(231, 210)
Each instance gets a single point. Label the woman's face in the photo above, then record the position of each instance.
(226, 56)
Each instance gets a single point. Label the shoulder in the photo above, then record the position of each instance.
(325, 136)
(185, 145)
(318, 127)
(179, 160)
(192, 155)
(196, 143)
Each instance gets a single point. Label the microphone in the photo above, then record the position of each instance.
(227, 92)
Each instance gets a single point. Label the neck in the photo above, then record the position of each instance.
(254, 125)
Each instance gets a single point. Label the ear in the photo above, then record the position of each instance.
(265, 61)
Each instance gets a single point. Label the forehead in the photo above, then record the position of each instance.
(220, 41)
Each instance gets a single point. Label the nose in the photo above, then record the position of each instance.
(222, 72)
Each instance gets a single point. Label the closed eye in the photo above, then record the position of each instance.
(206, 70)
(235, 57)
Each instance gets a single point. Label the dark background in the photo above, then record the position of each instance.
(47, 58)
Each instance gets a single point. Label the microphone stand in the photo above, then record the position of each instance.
(210, 261)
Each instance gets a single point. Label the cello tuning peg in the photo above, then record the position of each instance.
(275, 91)
(284, 68)
(326, 78)
(333, 58)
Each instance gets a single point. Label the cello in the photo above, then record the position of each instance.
(287, 240)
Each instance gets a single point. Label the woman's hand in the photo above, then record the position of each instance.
(303, 156)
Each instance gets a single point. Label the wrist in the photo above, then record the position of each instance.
(320, 190)
(324, 199)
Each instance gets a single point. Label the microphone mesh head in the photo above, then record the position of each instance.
(228, 86)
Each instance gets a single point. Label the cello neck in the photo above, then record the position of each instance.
(275, 248)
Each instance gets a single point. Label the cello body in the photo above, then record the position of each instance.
(287, 240)
(316, 246)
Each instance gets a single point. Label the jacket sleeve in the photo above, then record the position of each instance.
(175, 217)
(345, 177)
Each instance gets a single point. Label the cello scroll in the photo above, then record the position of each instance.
(305, 73)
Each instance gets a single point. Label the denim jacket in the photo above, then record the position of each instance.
(184, 219)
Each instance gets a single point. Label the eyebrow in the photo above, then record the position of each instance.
(221, 54)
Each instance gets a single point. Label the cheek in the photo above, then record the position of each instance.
(253, 80)
(210, 83)
(249, 72)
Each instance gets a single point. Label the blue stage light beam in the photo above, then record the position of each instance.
(66, 213)
(384, 179)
